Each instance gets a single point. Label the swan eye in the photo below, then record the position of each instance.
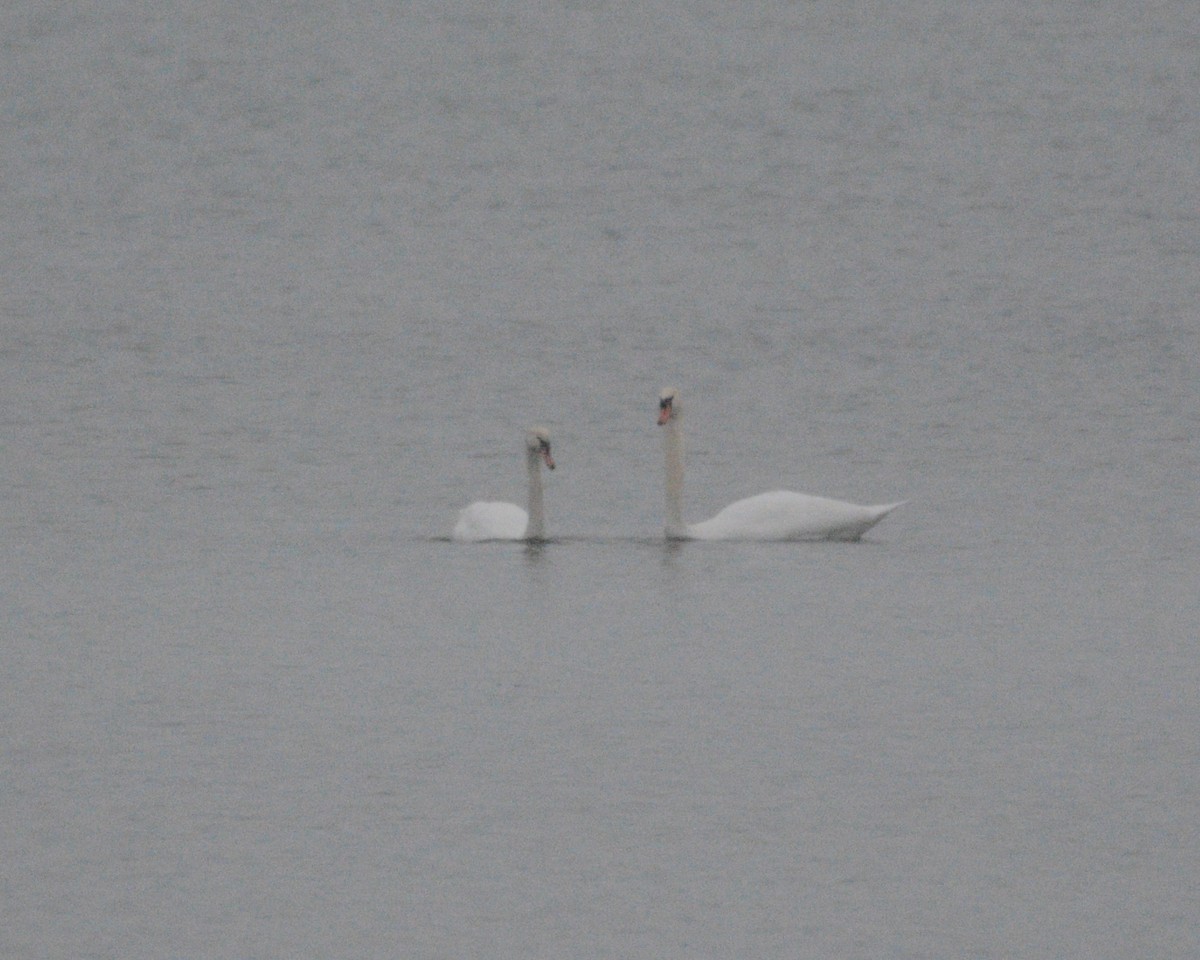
(664, 403)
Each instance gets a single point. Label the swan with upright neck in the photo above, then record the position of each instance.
(490, 520)
(778, 515)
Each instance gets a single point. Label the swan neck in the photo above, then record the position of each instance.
(536, 530)
(673, 448)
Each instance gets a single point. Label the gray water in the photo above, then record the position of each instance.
(284, 284)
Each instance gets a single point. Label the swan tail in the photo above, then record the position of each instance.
(874, 515)
(866, 519)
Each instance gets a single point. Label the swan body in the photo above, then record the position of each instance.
(492, 520)
(784, 515)
(778, 515)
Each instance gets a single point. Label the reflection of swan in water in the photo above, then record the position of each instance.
(779, 515)
(507, 521)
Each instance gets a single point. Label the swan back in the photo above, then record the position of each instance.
(490, 520)
(786, 515)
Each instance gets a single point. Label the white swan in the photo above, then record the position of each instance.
(779, 515)
(506, 521)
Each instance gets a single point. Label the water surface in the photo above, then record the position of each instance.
(283, 290)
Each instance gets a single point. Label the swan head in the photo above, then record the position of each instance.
(537, 444)
(669, 406)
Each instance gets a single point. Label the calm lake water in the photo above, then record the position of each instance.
(283, 287)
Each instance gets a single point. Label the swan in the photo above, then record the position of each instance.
(484, 520)
(779, 515)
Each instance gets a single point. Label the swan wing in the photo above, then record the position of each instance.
(784, 515)
(491, 521)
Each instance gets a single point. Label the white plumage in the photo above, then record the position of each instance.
(779, 515)
(491, 520)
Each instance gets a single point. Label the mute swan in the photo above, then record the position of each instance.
(506, 521)
(779, 515)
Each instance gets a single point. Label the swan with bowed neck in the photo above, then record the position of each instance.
(485, 520)
(778, 515)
